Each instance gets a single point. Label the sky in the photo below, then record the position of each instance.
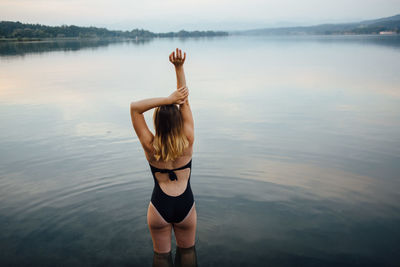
(175, 15)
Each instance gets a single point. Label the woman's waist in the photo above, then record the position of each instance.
(174, 194)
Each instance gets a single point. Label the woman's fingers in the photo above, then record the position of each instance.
(177, 56)
(184, 94)
(181, 95)
(183, 89)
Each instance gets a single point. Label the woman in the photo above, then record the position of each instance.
(169, 153)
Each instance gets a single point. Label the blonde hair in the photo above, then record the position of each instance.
(169, 140)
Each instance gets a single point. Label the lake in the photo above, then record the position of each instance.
(296, 158)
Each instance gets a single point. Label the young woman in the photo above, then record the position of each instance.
(169, 153)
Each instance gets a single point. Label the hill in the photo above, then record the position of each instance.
(389, 24)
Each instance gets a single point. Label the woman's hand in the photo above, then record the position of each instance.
(177, 59)
(179, 96)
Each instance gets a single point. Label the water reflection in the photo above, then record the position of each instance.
(22, 48)
(162, 259)
(357, 40)
(295, 162)
(184, 257)
(291, 227)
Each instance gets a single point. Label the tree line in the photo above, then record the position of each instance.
(18, 30)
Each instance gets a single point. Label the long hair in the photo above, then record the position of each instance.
(169, 140)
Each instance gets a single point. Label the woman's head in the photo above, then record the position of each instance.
(169, 140)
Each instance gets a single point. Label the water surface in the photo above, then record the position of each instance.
(296, 158)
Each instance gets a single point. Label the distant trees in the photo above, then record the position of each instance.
(9, 29)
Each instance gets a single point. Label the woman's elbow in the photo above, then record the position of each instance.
(135, 108)
(132, 107)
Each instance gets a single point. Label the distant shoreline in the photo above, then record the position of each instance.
(61, 39)
(25, 39)
(22, 32)
(382, 26)
(55, 39)
(17, 31)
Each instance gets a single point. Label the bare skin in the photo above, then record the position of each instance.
(161, 230)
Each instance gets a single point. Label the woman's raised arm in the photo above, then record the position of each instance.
(188, 124)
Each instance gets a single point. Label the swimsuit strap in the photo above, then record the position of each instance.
(172, 175)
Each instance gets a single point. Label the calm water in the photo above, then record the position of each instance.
(296, 158)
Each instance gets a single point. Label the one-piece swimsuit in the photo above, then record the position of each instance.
(172, 208)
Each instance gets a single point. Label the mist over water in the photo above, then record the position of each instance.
(296, 158)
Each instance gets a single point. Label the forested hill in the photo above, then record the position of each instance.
(18, 30)
(389, 24)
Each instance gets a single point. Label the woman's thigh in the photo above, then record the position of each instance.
(185, 231)
(160, 230)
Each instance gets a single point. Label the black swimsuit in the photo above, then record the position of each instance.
(172, 208)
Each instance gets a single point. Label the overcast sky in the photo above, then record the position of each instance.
(174, 15)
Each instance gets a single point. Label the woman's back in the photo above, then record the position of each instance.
(168, 186)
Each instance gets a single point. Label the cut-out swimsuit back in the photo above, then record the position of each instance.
(172, 208)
